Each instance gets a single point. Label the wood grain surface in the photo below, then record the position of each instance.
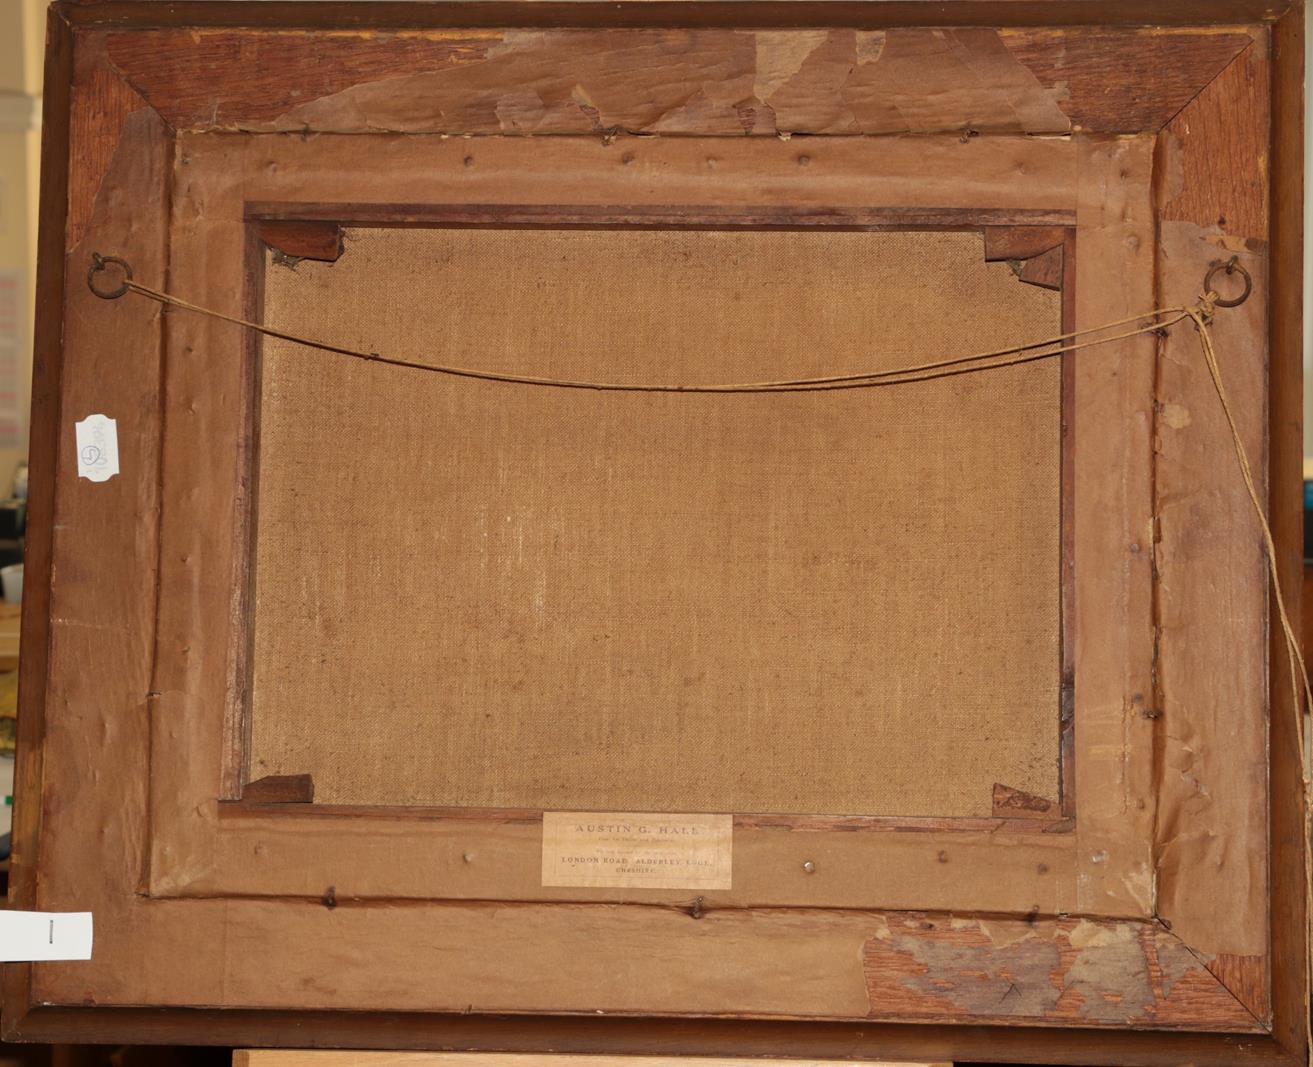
(693, 82)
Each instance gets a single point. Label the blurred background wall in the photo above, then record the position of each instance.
(22, 41)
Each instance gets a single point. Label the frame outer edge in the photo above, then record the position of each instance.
(756, 14)
(43, 453)
(1290, 933)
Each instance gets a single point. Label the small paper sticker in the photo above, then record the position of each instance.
(98, 448)
(639, 851)
(27, 936)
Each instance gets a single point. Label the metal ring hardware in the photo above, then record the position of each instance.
(1230, 266)
(98, 264)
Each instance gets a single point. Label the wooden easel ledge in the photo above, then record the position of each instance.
(321, 1058)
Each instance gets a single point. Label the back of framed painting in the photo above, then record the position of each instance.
(636, 533)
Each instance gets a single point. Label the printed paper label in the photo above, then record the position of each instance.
(640, 851)
(44, 935)
(98, 448)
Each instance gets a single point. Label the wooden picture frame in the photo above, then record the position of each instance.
(1154, 913)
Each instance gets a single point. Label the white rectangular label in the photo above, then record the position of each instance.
(44, 935)
(98, 448)
(638, 851)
